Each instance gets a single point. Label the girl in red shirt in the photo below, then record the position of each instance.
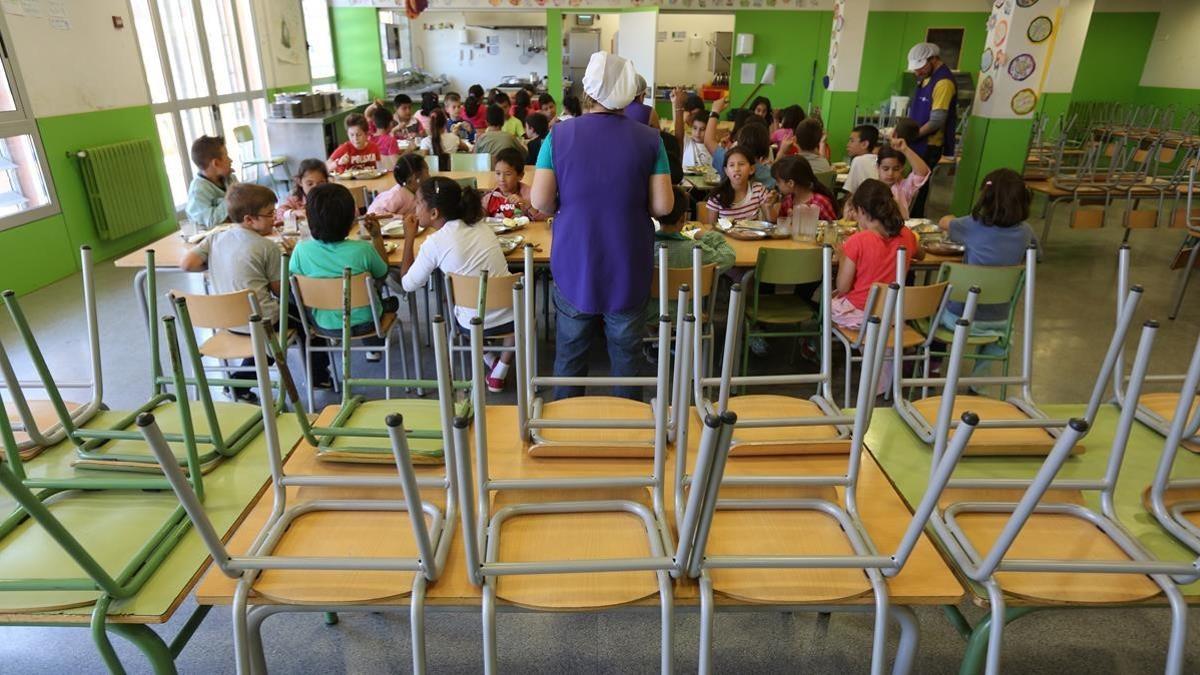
(797, 184)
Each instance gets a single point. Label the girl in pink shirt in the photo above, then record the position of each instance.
(401, 199)
(312, 173)
(891, 172)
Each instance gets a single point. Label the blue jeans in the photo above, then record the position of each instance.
(575, 330)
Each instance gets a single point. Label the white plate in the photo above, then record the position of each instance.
(510, 244)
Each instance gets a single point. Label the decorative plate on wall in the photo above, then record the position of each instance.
(985, 64)
(1026, 3)
(1039, 29)
(1024, 101)
(1021, 67)
(1000, 32)
(986, 86)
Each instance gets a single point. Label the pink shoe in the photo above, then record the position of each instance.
(495, 384)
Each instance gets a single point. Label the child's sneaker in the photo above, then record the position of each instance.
(496, 377)
(374, 357)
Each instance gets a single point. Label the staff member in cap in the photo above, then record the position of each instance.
(638, 110)
(603, 175)
(933, 107)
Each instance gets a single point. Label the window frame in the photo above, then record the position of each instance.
(312, 78)
(20, 122)
(177, 107)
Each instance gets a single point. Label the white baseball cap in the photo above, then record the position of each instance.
(920, 53)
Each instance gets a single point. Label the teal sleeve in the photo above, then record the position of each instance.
(376, 265)
(661, 165)
(295, 266)
(545, 158)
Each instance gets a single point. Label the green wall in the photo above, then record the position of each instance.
(38, 253)
(357, 51)
(1114, 55)
(1165, 96)
(796, 42)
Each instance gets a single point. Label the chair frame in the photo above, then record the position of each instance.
(982, 566)
(433, 541)
(1183, 426)
(40, 439)
(751, 283)
(482, 527)
(481, 309)
(475, 161)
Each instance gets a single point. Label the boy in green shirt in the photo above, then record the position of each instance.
(714, 250)
(331, 210)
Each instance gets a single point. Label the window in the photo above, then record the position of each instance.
(25, 194)
(394, 38)
(320, 40)
(205, 74)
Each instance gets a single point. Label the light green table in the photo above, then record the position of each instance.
(230, 490)
(906, 460)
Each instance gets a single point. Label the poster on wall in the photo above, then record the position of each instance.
(288, 34)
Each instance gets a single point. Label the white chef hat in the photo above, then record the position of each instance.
(920, 53)
(610, 80)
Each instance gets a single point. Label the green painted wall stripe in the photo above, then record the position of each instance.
(990, 144)
(1114, 55)
(357, 50)
(796, 42)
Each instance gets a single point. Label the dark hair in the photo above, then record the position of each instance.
(521, 101)
(429, 101)
(539, 123)
(868, 133)
(674, 155)
(693, 102)
(451, 97)
(357, 120)
(330, 208)
(791, 116)
(437, 125)
(453, 201)
(1003, 199)
(545, 99)
(408, 165)
(908, 129)
(739, 118)
(890, 153)
(571, 104)
(206, 150)
(495, 116)
(529, 89)
(875, 200)
(679, 211)
(724, 193)
(808, 134)
(471, 106)
(512, 157)
(306, 166)
(701, 116)
(799, 171)
(402, 99)
(755, 138)
(476, 91)
(382, 118)
(247, 199)
(760, 100)
(500, 98)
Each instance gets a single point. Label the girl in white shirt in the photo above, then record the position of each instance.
(739, 196)
(458, 244)
(443, 142)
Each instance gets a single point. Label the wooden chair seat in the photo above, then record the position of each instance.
(814, 440)
(784, 532)
(779, 309)
(1163, 405)
(44, 416)
(573, 536)
(227, 345)
(230, 417)
(594, 442)
(1058, 537)
(420, 414)
(989, 441)
(910, 338)
(1046, 187)
(355, 534)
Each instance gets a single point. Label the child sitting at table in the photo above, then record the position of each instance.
(571, 108)
(695, 154)
(331, 220)
(360, 152)
(807, 143)
(455, 123)
(860, 152)
(869, 256)
(789, 118)
(494, 138)
(995, 233)
(548, 107)
(714, 249)
(407, 126)
(429, 103)
(537, 127)
(206, 195)
(474, 112)
(891, 172)
(458, 244)
(401, 199)
(738, 197)
(384, 138)
(312, 172)
(439, 141)
(510, 124)
(797, 184)
(511, 196)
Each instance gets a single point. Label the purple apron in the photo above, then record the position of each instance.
(603, 253)
(638, 112)
(922, 106)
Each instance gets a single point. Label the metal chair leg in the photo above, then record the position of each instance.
(1183, 282)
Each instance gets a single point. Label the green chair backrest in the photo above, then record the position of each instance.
(243, 134)
(788, 265)
(828, 179)
(468, 182)
(996, 284)
(470, 162)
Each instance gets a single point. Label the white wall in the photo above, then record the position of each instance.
(90, 66)
(281, 72)
(439, 52)
(636, 41)
(1068, 45)
(673, 64)
(1172, 58)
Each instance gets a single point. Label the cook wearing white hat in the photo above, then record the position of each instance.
(610, 80)
(919, 56)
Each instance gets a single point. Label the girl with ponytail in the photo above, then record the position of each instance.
(457, 244)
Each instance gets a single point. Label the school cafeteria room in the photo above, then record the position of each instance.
(599, 336)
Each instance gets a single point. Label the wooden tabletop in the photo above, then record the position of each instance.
(484, 180)
(926, 579)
